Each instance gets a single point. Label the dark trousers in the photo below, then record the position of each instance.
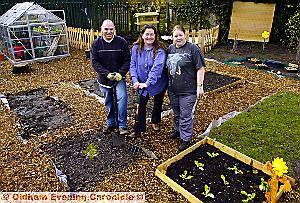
(140, 119)
(183, 108)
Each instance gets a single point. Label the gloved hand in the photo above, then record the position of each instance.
(114, 76)
(111, 76)
(118, 77)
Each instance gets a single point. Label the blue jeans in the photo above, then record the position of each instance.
(122, 104)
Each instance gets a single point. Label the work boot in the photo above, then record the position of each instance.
(108, 129)
(123, 131)
(184, 145)
(155, 126)
(174, 135)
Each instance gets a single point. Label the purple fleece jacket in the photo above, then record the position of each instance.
(145, 69)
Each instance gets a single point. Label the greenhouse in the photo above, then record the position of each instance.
(29, 33)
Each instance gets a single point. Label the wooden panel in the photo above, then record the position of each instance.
(249, 20)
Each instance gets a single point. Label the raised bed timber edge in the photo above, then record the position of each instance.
(162, 168)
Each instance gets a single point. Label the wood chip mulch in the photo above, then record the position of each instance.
(24, 167)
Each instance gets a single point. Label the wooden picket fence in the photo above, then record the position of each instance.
(83, 38)
(205, 38)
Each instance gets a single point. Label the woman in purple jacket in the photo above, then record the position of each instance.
(147, 63)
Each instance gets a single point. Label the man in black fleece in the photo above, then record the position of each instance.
(111, 60)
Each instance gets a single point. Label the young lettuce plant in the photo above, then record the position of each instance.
(207, 192)
(250, 197)
(185, 175)
(236, 170)
(212, 155)
(278, 168)
(264, 186)
(199, 165)
(224, 180)
(90, 151)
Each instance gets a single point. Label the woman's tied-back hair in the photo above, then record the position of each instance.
(179, 27)
(156, 44)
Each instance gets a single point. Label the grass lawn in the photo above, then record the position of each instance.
(268, 130)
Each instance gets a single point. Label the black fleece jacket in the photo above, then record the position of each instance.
(110, 57)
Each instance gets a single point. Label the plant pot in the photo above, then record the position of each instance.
(171, 173)
(87, 54)
(19, 51)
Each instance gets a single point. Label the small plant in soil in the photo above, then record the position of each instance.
(212, 155)
(236, 170)
(264, 185)
(250, 197)
(224, 180)
(90, 151)
(199, 165)
(185, 175)
(207, 192)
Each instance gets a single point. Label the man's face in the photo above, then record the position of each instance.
(108, 30)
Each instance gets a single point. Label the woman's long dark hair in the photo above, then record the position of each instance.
(156, 44)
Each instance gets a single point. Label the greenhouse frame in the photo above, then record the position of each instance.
(29, 33)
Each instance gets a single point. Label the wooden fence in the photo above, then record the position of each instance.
(83, 38)
(205, 38)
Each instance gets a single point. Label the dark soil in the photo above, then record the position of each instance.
(273, 59)
(84, 172)
(214, 167)
(212, 81)
(38, 112)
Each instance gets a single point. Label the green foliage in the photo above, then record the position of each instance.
(207, 192)
(293, 28)
(212, 155)
(199, 165)
(268, 130)
(264, 186)
(250, 197)
(90, 151)
(224, 180)
(194, 13)
(236, 170)
(185, 176)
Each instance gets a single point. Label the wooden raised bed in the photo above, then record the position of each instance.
(162, 169)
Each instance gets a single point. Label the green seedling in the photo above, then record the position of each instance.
(199, 165)
(212, 155)
(207, 192)
(185, 175)
(264, 186)
(224, 180)
(250, 197)
(90, 151)
(236, 170)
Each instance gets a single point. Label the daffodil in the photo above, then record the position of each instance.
(265, 34)
(279, 166)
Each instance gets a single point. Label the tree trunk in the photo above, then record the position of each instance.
(298, 52)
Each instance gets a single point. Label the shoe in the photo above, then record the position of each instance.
(108, 129)
(174, 135)
(184, 145)
(155, 126)
(123, 131)
(134, 135)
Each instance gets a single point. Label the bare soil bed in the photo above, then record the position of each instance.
(244, 178)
